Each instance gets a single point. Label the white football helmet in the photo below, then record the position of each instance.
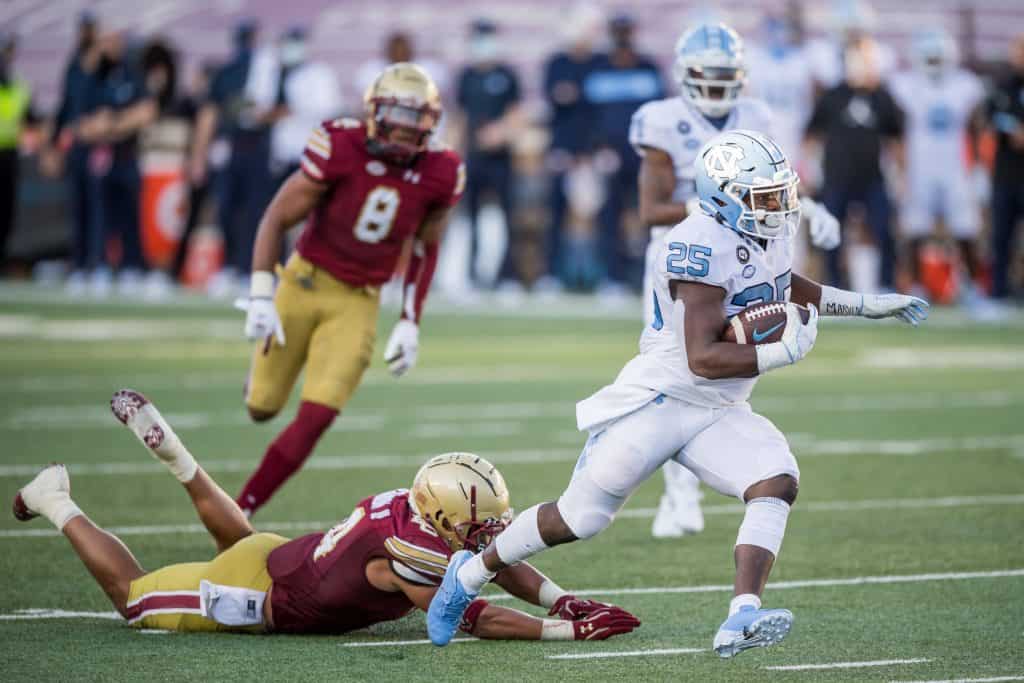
(709, 68)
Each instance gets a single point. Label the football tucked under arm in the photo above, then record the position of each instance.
(781, 332)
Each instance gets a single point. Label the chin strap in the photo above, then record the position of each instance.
(418, 276)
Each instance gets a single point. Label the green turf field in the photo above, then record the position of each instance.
(911, 444)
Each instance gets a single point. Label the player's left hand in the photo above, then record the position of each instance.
(403, 347)
(821, 225)
(571, 608)
(604, 623)
(909, 309)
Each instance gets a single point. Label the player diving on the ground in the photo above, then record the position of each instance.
(710, 70)
(684, 396)
(386, 558)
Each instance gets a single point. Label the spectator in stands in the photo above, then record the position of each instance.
(856, 120)
(398, 47)
(1007, 114)
(87, 234)
(571, 118)
(621, 81)
(489, 98)
(15, 111)
(197, 193)
(244, 183)
(124, 108)
(297, 94)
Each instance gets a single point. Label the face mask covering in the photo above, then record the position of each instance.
(483, 49)
(293, 52)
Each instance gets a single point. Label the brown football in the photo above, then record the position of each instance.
(760, 324)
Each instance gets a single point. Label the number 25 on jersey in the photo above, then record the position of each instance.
(695, 258)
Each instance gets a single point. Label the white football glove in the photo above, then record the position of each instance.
(821, 225)
(796, 342)
(261, 319)
(909, 309)
(403, 347)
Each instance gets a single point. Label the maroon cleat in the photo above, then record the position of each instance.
(21, 511)
(124, 404)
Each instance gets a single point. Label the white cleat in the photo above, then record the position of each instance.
(675, 520)
(752, 627)
(52, 484)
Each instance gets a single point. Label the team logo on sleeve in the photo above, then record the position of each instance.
(374, 167)
(722, 162)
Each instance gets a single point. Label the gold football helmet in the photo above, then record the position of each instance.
(403, 106)
(464, 498)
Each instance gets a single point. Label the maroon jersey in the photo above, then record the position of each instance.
(356, 233)
(320, 583)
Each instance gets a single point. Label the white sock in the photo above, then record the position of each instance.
(521, 540)
(742, 601)
(57, 507)
(516, 543)
(474, 574)
(160, 439)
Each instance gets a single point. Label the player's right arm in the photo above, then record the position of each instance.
(492, 622)
(657, 184)
(703, 322)
(711, 358)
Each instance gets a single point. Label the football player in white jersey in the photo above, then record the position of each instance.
(710, 71)
(684, 396)
(939, 100)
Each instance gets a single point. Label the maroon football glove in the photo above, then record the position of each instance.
(571, 608)
(604, 623)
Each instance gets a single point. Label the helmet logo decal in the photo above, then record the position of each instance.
(722, 162)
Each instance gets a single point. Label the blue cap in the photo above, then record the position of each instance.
(622, 20)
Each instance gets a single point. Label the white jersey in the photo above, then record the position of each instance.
(678, 128)
(937, 115)
(699, 250)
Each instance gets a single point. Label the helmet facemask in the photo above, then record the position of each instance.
(712, 89)
(769, 209)
(400, 131)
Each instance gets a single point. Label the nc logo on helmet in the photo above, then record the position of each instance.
(722, 162)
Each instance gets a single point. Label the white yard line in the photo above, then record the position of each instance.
(393, 643)
(23, 614)
(630, 653)
(846, 665)
(38, 613)
(805, 583)
(808, 448)
(633, 513)
(993, 679)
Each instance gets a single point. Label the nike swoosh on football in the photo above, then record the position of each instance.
(758, 336)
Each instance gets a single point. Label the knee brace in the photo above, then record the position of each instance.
(586, 508)
(764, 524)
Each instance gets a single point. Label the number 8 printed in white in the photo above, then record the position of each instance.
(377, 215)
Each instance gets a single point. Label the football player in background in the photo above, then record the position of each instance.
(684, 397)
(385, 559)
(364, 188)
(940, 101)
(710, 71)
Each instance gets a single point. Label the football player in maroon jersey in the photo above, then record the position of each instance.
(364, 189)
(386, 558)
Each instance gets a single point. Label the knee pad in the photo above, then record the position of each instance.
(586, 508)
(764, 524)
